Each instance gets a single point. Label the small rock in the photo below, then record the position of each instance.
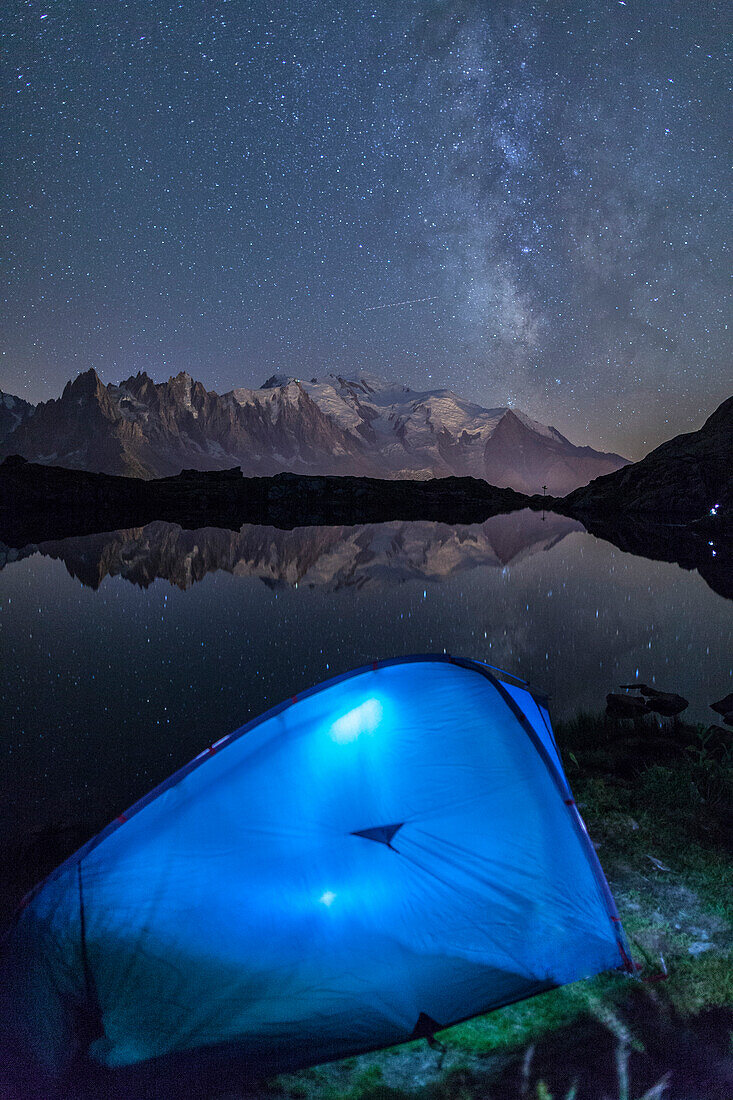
(699, 947)
(667, 703)
(625, 706)
(723, 706)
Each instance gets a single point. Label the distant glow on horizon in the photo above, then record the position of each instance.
(327, 898)
(362, 719)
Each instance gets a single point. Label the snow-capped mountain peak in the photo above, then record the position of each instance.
(13, 411)
(359, 424)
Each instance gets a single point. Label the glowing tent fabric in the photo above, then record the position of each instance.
(393, 851)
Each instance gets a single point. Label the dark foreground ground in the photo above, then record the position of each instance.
(38, 501)
(655, 794)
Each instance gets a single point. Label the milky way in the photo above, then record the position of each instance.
(234, 188)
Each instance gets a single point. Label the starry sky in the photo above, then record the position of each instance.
(524, 202)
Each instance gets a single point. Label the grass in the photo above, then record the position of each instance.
(635, 807)
(663, 794)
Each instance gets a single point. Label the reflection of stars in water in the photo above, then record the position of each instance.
(537, 184)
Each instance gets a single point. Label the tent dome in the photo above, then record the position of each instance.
(391, 852)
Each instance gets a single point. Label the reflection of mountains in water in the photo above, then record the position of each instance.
(319, 557)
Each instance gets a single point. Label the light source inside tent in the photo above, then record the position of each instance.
(362, 719)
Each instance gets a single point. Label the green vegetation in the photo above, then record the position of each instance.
(655, 795)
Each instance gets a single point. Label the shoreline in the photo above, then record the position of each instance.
(42, 503)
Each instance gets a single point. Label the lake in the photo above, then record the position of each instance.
(125, 653)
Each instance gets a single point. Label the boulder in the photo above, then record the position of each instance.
(625, 706)
(667, 703)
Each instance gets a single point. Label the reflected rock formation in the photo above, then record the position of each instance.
(328, 558)
(693, 547)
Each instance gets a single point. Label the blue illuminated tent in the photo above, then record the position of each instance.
(390, 852)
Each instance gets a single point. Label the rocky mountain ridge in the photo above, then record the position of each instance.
(361, 427)
(687, 478)
(13, 411)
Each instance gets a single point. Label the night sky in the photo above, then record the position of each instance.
(523, 202)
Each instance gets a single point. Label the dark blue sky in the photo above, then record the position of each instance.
(233, 188)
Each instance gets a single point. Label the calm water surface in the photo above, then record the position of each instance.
(124, 654)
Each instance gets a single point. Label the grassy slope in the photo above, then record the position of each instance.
(655, 799)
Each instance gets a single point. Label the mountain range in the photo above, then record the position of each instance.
(364, 427)
(674, 505)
